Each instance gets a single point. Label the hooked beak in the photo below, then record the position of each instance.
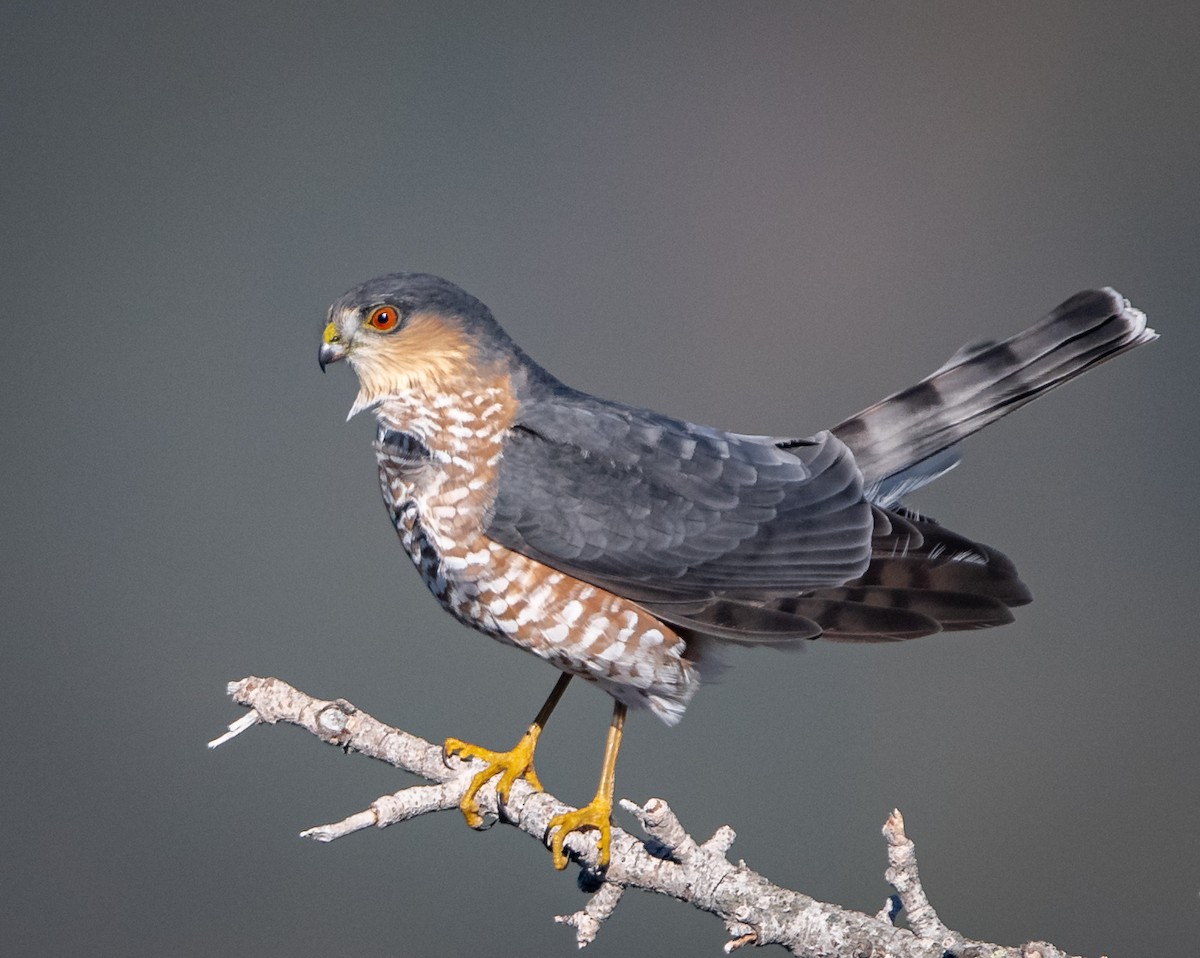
(332, 348)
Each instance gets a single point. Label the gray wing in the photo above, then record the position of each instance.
(675, 516)
(741, 538)
(749, 539)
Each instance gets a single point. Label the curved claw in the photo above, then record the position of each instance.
(509, 766)
(593, 815)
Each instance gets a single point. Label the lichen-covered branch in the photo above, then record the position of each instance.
(667, 861)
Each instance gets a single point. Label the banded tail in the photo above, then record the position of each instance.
(907, 439)
(922, 577)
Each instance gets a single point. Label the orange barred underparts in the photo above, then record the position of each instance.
(438, 493)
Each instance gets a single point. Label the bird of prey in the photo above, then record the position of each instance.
(623, 546)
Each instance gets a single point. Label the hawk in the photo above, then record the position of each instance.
(624, 546)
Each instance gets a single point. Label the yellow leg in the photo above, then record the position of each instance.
(596, 813)
(511, 765)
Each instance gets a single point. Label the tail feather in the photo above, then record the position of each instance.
(953, 611)
(919, 567)
(945, 573)
(922, 578)
(983, 382)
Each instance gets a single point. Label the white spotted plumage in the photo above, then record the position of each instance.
(437, 499)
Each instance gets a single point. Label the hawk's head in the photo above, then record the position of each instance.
(405, 331)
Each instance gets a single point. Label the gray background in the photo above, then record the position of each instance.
(762, 216)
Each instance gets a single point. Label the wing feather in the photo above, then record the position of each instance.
(745, 539)
(644, 504)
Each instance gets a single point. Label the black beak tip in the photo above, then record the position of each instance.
(329, 353)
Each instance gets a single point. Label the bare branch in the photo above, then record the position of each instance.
(586, 921)
(667, 862)
(902, 876)
(390, 809)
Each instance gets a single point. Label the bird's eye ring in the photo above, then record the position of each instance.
(383, 318)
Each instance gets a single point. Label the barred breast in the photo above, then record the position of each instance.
(438, 456)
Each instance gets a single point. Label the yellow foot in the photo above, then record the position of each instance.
(593, 815)
(511, 765)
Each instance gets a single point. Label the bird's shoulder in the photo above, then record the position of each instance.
(616, 492)
(551, 414)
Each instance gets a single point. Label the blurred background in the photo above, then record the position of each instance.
(762, 216)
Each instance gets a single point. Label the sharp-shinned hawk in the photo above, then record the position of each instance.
(621, 545)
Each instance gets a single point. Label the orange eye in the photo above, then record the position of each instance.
(383, 318)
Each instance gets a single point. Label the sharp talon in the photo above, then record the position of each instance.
(507, 766)
(592, 816)
(473, 816)
(597, 812)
